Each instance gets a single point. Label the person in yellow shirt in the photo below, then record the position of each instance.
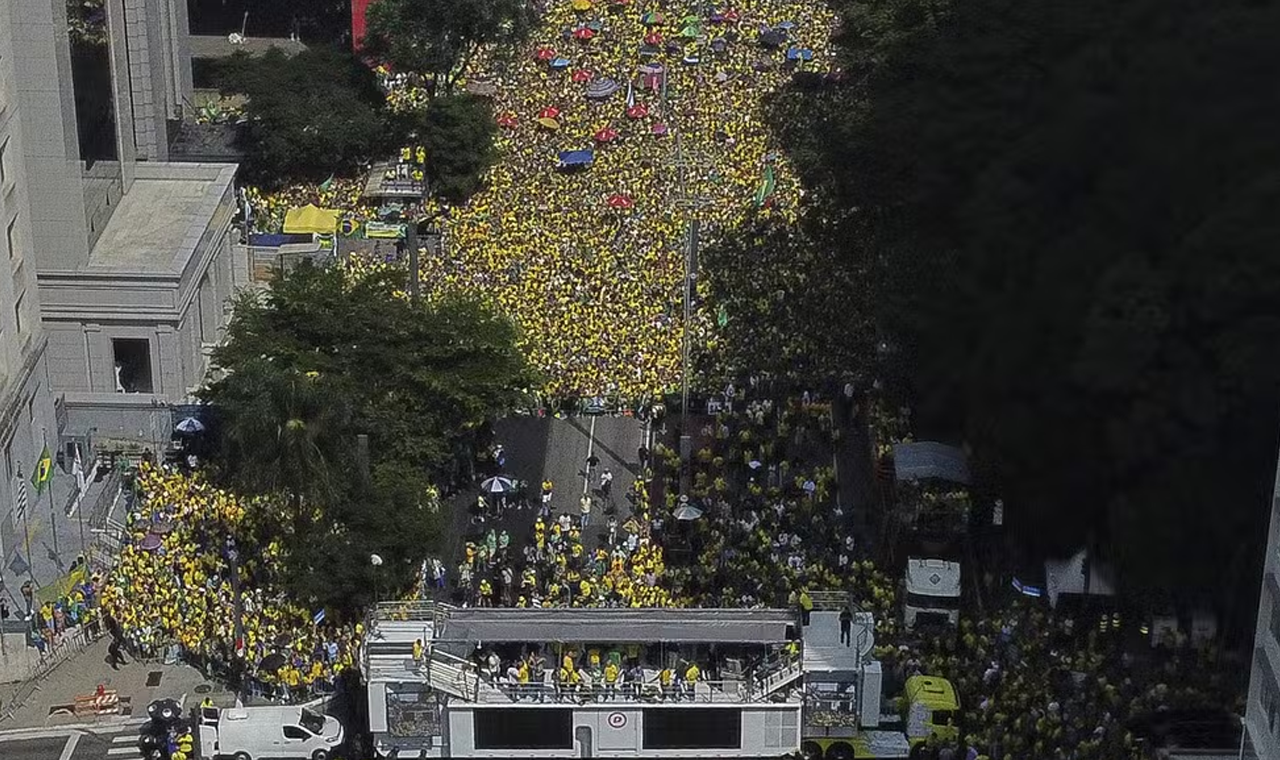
(691, 676)
(611, 672)
(666, 677)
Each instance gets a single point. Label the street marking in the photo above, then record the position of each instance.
(591, 442)
(116, 751)
(125, 738)
(70, 748)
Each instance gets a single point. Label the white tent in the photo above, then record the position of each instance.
(1079, 574)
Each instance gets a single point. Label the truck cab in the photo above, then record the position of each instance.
(933, 593)
(932, 709)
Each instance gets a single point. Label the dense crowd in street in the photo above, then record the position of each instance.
(590, 263)
(171, 591)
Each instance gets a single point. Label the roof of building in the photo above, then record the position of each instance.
(159, 222)
(622, 625)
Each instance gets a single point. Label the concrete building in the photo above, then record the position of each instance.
(26, 404)
(132, 254)
(1262, 711)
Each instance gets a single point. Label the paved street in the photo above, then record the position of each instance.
(538, 449)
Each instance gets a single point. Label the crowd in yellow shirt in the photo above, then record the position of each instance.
(590, 263)
(172, 586)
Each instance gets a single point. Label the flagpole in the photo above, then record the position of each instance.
(26, 529)
(48, 484)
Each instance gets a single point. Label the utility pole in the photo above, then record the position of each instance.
(690, 204)
(411, 240)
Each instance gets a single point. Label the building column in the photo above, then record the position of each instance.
(99, 364)
(167, 374)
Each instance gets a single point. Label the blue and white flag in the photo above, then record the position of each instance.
(318, 618)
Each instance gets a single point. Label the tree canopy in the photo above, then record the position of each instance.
(1071, 204)
(311, 115)
(457, 132)
(439, 37)
(316, 362)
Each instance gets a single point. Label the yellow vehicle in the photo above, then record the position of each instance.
(930, 710)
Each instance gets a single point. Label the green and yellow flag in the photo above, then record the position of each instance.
(765, 191)
(43, 472)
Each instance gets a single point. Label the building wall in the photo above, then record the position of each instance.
(1262, 711)
(46, 107)
(26, 405)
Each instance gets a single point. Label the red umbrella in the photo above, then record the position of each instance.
(731, 15)
(582, 75)
(608, 134)
(550, 112)
(507, 121)
(637, 111)
(653, 38)
(618, 200)
(583, 34)
(545, 54)
(659, 129)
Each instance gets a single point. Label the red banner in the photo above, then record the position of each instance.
(358, 8)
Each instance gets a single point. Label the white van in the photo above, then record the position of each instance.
(933, 593)
(250, 733)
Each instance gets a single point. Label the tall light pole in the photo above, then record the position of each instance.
(690, 204)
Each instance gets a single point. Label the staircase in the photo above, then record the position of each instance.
(776, 680)
(453, 676)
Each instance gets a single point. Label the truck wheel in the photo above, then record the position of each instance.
(840, 751)
(243, 756)
(811, 751)
(320, 755)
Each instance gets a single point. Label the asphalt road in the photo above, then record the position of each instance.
(115, 742)
(553, 449)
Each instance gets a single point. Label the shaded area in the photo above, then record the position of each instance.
(1066, 209)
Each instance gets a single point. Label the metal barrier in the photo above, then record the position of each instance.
(64, 647)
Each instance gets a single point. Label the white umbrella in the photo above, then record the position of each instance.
(190, 425)
(688, 512)
(498, 484)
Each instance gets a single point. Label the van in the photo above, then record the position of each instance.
(250, 733)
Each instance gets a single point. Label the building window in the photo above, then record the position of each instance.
(11, 237)
(132, 365)
(18, 306)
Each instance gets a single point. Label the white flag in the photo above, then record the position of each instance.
(631, 95)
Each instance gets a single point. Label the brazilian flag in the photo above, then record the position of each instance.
(43, 472)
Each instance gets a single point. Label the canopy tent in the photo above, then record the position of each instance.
(576, 158)
(930, 459)
(311, 219)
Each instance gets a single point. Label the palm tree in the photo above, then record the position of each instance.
(283, 432)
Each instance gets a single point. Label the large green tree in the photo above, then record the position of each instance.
(1072, 204)
(318, 361)
(457, 132)
(310, 115)
(439, 37)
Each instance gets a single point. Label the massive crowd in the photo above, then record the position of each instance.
(590, 263)
(170, 593)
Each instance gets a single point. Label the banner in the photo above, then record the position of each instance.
(384, 230)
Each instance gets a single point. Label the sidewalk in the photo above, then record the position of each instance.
(140, 682)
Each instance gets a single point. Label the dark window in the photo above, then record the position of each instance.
(313, 722)
(91, 81)
(531, 728)
(683, 728)
(293, 732)
(926, 602)
(133, 365)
